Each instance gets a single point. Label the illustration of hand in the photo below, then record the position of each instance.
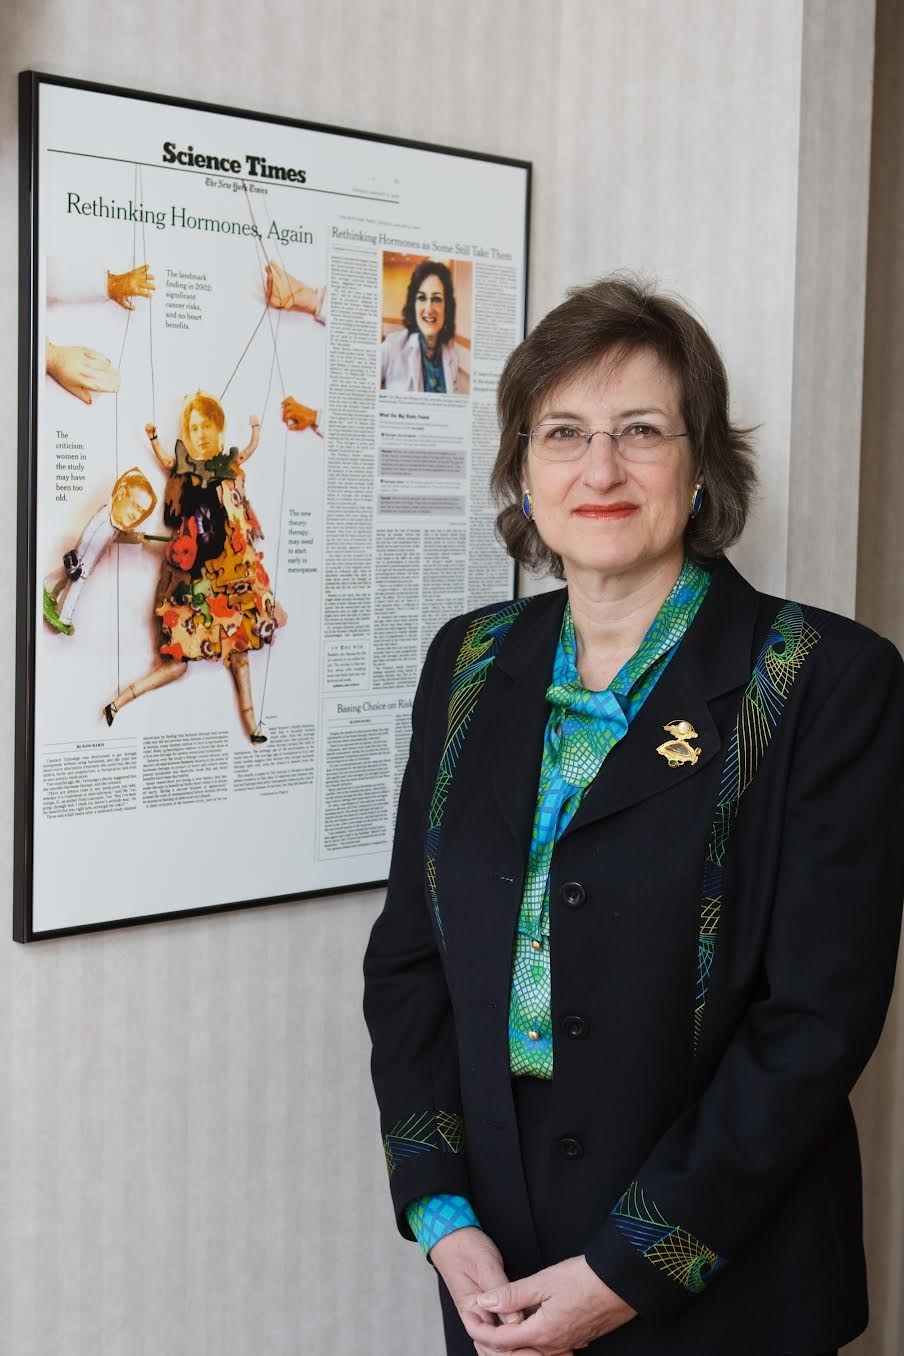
(298, 417)
(80, 371)
(121, 287)
(286, 293)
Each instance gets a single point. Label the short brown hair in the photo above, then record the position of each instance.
(206, 405)
(616, 316)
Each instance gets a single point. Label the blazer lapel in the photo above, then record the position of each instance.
(634, 769)
(714, 657)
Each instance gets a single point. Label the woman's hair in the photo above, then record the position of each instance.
(424, 270)
(205, 404)
(615, 317)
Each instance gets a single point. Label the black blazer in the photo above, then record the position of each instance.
(746, 1144)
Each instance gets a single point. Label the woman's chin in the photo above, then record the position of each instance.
(617, 562)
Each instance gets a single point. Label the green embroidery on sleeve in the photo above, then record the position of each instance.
(671, 1249)
(422, 1133)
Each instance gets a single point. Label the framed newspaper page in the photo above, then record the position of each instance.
(258, 369)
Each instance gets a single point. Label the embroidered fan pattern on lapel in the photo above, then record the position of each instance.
(791, 639)
(479, 648)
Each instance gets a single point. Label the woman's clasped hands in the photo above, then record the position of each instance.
(555, 1312)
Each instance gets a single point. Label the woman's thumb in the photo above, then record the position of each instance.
(508, 1298)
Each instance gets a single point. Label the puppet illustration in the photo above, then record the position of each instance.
(284, 292)
(132, 501)
(80, 370)
(214, 598)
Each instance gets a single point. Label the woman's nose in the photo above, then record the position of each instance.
(602, 466)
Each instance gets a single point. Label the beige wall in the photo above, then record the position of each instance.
(880, 603)
(189, 1160)
(830, 271)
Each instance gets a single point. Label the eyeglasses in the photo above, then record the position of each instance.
(559, 440)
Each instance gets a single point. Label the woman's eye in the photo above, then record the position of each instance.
(563, 433)
(640, 431)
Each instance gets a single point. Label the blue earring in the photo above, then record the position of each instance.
(697, 501)
(527, 507)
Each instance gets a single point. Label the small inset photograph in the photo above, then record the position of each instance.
(426, 316)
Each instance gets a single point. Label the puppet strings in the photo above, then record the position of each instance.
(274, 362)
(144, 253)
(138, 196)
(119, 361)
(265, 315)
(244, 351)
(274, 367)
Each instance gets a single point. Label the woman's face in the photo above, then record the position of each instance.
(430, 308)
(204, 436)
(605, 515)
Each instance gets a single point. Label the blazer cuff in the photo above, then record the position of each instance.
(433, 1174)
(656, 1267)
(431, 1218)
(425, 1157)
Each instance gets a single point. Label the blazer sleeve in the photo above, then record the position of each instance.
(407, 1006)
(828, 966)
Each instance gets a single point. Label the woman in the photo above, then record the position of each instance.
(644, 903)
(214, 599)
(423, 356)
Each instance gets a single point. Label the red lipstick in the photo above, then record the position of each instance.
(605, 512)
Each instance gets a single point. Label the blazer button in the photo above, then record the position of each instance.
(571, 1147)
(574, 1027)
(573, 894)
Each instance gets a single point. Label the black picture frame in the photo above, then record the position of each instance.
(68, 877)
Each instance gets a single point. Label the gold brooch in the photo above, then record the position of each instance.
(677, 750)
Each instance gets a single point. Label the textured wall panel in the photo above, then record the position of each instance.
(189, 1161)
(830, 288)
(880, 603)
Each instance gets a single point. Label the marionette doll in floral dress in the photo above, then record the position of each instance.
(214, 598)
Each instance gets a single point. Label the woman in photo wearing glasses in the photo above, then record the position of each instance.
(643, 912)
(423, 356)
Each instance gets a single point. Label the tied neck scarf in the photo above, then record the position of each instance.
(582, 729)
(584, 726)
(432, 368)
